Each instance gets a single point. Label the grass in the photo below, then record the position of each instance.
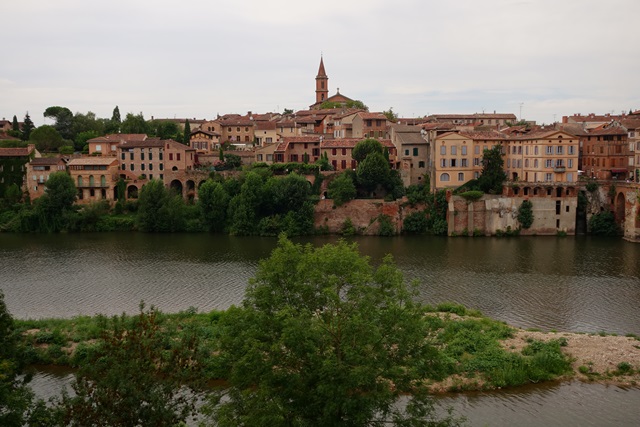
(468, 346)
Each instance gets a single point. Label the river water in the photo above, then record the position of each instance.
(581, 284)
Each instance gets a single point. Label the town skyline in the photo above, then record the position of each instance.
(536, 59)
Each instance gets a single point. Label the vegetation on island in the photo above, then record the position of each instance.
(322, 334)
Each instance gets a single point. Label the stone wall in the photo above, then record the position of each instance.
(493, 215)
(362, 212)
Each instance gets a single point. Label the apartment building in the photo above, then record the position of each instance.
(38, 171)
(413, 153)
(95, 178)
(606, 153)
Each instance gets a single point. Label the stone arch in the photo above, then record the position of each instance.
(537, 191)
(176, 186)
(174, 169)
(549, 191)
(132, 192)
(620, 207)
(526, 191)
(559, 192)
(191, 190)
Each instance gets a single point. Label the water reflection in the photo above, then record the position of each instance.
(580, 284)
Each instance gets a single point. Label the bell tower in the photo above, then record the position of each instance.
(322, 84)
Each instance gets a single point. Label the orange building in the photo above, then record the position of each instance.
(95, 178)
(38, 171)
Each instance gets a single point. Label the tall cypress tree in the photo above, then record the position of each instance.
(27, 127)
(15, 124)
(187, 133)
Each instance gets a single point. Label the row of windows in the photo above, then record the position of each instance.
(132, 166)
(571, 149)
(415, 151)
(103, 181)
(150, 155)
(454, 163)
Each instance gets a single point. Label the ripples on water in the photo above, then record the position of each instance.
(570, 284)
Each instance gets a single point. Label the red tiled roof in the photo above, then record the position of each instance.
(101, 161)
(117, 137)
(147, 143)
(351, 142)
(46, 161)
(15, 152)
(372, 116)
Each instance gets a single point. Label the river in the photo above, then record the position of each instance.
(576, 284)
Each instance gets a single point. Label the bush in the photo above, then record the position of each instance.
(472, 196)
(385, 226)
(603, 224)
(416, 223)
(347, 228)
(525, 214)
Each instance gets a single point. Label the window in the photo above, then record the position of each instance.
(572, 149)
(150, 176)
(170, 156)
(570, 163)
(415, 151)
(460, 176)
(79, 181)
(343, 164)
(548, 177)
(315, 152)
(91, 181)
(570, 177)
(453, 163)
(443, 163)
(548, 163)
(98, 147)
(142, 167)
(444, 177)
(463, 150)
(161, 167)
(122, 156)
(443, 150)
(535, 150)
(124, 167)
(476, 149)
(559, 149)
(131, 155)
(421, 164)
(160, 155)
(549, 149)
(535, 163)
(464, 163)
(103, 181)
(150, 156)
(269, 157)
(178, 156)
(141, 155)
(476, 175)
(150, 166)
(344, 151)
(406, 152)
(453, 150)
(131, 166)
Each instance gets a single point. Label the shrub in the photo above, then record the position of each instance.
(347, 228)
(591, 186)
(416, 223)
(603, 224)
(525, 214)
(472, 196)
(385, 226)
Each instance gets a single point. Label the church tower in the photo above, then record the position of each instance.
(322, 84)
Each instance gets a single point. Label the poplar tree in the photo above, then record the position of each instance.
(187, 133)
(27, 127)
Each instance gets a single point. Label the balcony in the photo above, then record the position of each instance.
(559, 169)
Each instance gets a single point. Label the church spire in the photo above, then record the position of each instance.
(322, 83)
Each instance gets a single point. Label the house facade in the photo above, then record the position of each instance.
(95, 178)
(38, 171)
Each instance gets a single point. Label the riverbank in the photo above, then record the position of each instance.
(474, 352)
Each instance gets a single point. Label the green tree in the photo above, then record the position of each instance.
(165, 129)
(525, 214)
(83, 123)
(366, 147)
(15, 126)
(187, 133)
(604, 224)
(374, 170)
(493, 174)
(245, 208)
(346, 104)
(159, 211)
(64, 120)
(390, 115)
(134, 123)
(82, 138)
(323, 338)
(55, 206)
(341, 189)
(113, 125)
(15, 396)
(27, 127)
(287, 111)
(46, 138)
(324, 163)
(213, 202)
(137, 374)
(232, 161)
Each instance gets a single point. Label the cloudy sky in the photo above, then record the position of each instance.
(197, 58)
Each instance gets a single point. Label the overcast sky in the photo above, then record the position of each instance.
(198, 58)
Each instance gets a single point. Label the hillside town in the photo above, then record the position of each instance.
(443, 151)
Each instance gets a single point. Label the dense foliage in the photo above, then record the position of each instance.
(324, 338)
(604, 224)
(493, 175)
(525, 214)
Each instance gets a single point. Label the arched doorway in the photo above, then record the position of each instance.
(176, 186)
(132, 192)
